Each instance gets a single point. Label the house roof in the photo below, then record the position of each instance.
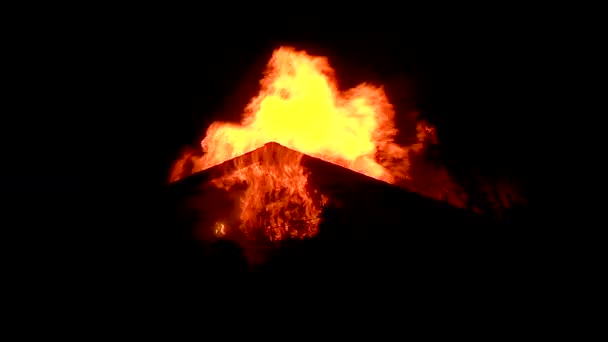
(358, 199)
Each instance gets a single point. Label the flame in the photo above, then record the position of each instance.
(300, 106)
(276, 203)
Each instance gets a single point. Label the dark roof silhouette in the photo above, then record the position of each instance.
(361, 209)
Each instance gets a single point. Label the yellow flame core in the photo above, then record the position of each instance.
(299, 106)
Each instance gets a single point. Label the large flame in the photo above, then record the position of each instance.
(300, 106)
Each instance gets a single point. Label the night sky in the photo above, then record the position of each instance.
(137, 93)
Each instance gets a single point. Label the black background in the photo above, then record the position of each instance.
(120, 97)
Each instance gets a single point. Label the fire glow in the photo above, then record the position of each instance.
(300, 107)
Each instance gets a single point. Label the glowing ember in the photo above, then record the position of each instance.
(219, 229)
(299, 106)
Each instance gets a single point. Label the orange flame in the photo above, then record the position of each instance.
(276, 203)
(300, 106)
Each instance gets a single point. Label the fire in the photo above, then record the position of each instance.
(276, 203)
(300, 107)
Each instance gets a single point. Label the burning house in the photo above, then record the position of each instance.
(311, 180)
